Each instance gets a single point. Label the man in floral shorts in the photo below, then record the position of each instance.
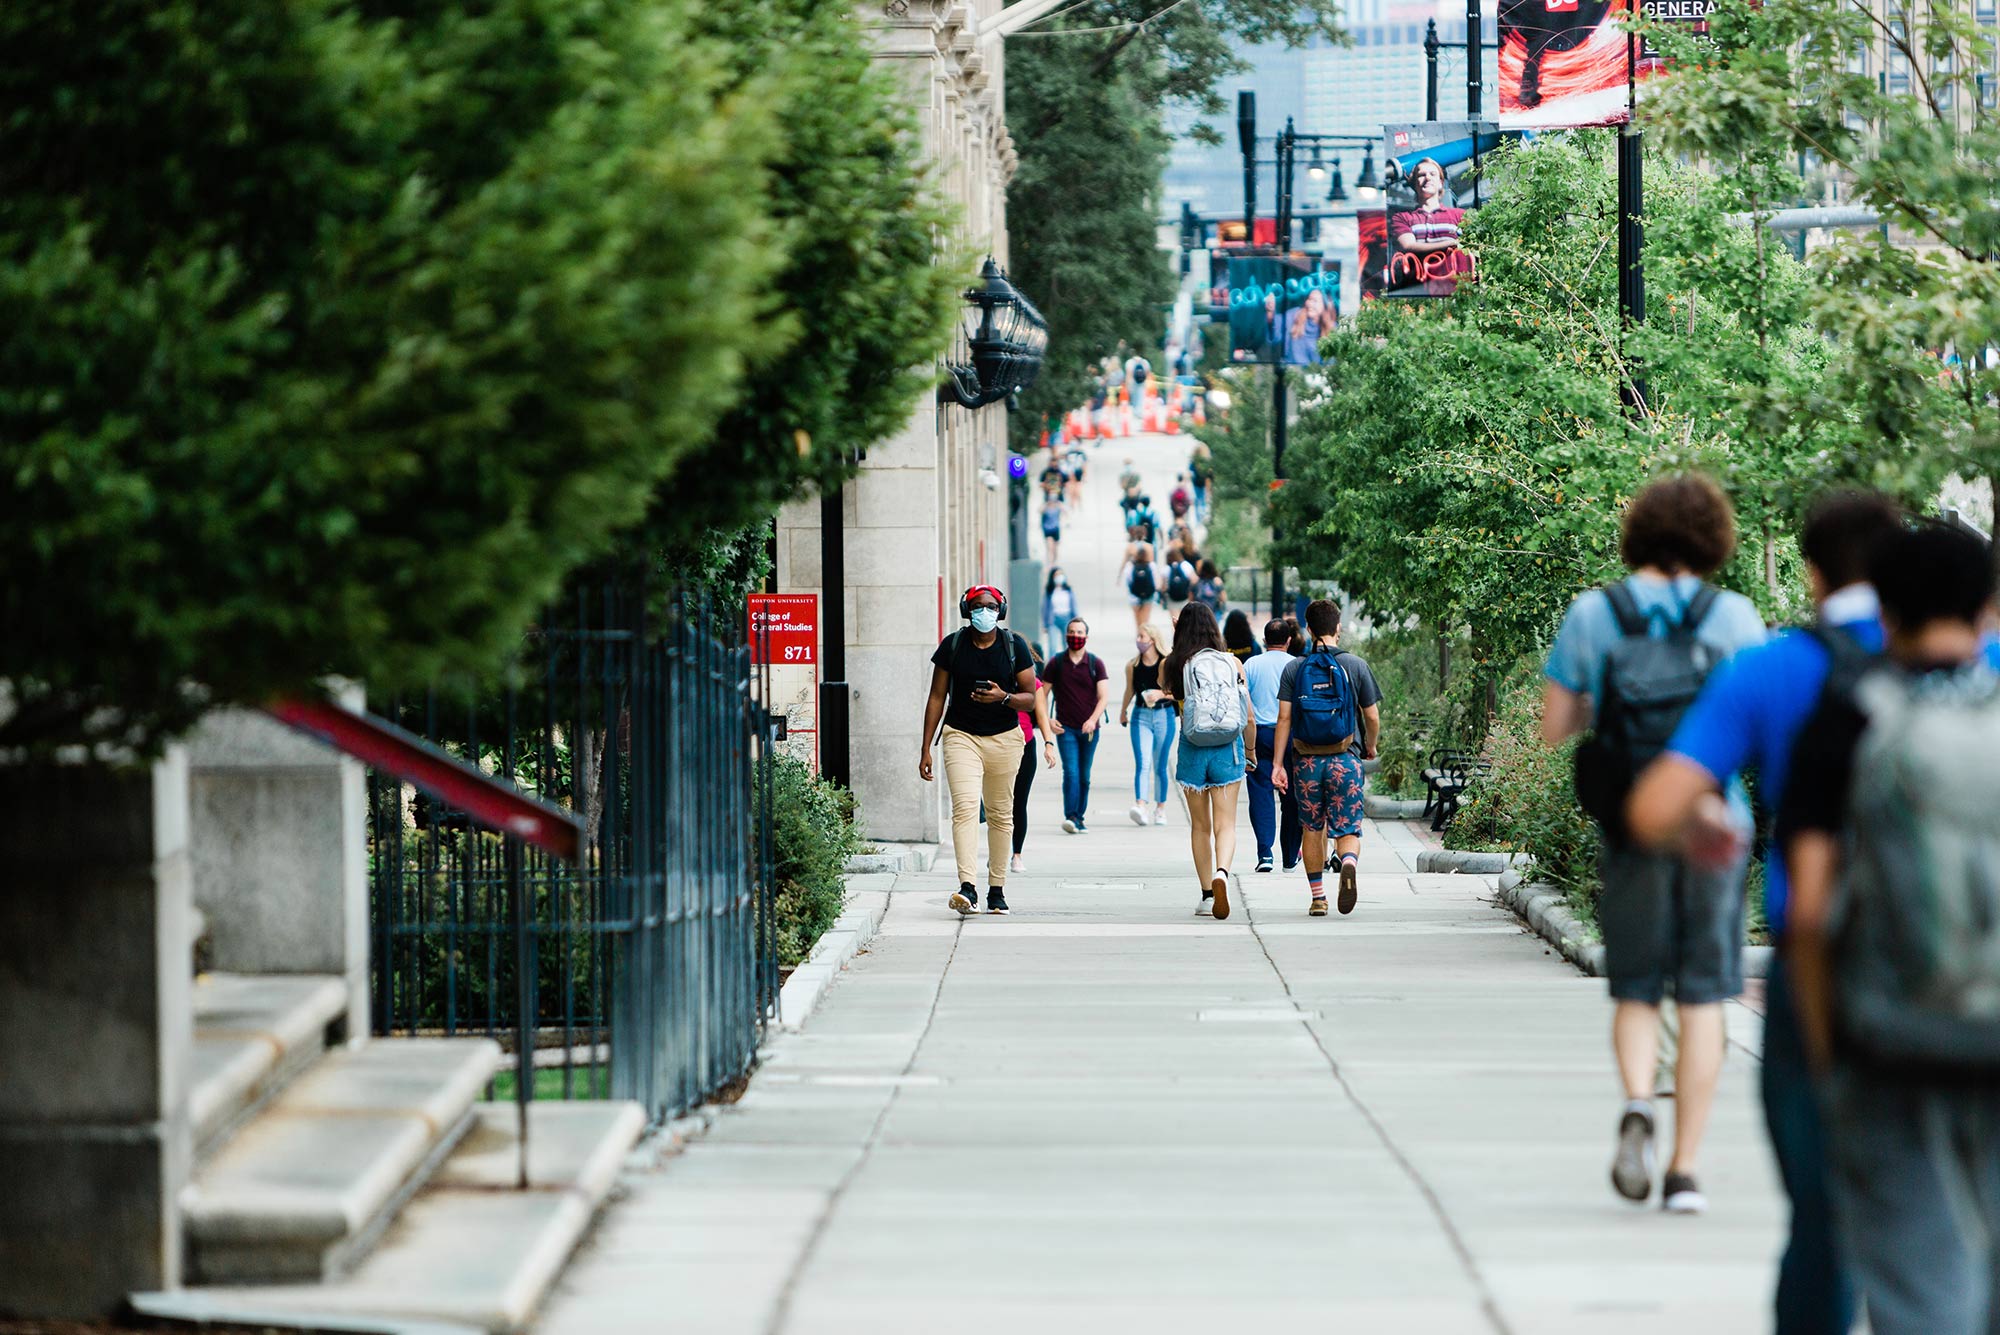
(1328, 777)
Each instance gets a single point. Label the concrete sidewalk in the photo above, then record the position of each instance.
(1104, 1111)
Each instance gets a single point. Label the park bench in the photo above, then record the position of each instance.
(1449, 777)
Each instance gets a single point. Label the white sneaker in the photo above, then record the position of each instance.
(1160, 816)
(1069, 826)
(1138, 814)
(1015, 864)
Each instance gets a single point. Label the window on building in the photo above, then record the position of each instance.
(1983, 10)
(1897, 62)
(1858, 62)
(1941, 82)
(1989, 92)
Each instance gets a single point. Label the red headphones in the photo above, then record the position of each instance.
(965, 600)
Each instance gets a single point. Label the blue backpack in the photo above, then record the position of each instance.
(1324, 714)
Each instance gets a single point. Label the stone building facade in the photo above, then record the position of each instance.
(927, 516)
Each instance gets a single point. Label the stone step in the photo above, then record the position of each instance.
(252, 1033)
(470, 1250)
(304, 1188)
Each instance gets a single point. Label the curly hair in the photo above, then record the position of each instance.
(1679, 522)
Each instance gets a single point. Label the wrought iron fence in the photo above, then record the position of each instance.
(645, 970)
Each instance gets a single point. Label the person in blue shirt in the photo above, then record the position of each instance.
(1265, 671)
(1747, 717)
(1668, 925)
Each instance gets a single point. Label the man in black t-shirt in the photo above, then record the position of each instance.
(1327, 779)
(982, 681)
(1887, 988)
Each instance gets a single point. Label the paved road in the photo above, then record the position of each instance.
(1103, 1113)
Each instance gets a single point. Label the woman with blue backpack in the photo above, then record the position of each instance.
(1330, 715)
(1218, 744)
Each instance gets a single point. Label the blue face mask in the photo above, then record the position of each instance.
(985, 618)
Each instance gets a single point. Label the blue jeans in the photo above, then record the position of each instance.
(1815, 1296)
(1077, 751)
(1274, 818)
(1152, 742)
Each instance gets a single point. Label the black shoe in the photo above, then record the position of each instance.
(996, 900)
(1292, 865)
(1632, 1165)
(966, 900)
(1264, 863)
(1531, 82)
(1681, 1194)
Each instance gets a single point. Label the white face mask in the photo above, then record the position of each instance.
(1062, 582)
(985, 618)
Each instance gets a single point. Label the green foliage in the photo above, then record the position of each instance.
(1239, 446)
(862, 307)
(336, 335)
(1418, 714)
(1910, 315)
(813, 833)
(1467, 458)
(1528, 804)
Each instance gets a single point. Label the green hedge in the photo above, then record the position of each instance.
(813, 834)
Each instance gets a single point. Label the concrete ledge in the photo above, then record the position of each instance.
(894, 858)
(858, 924)
(1544, 909)
(198, 1308)
(1468, 862)
(1391, 808)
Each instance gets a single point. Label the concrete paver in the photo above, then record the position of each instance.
(1104, 1109)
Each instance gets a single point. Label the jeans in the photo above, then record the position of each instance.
(1077, 750)
(1916, 1184)
(1152, 743)
(1267, 806)
(1815, 1296)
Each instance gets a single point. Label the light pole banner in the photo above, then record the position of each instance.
(1371, 227)
(1431, 181)
(1281, 306)
(1570, 63)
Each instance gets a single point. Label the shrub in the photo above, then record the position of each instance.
(1527, 804)
(813, 834)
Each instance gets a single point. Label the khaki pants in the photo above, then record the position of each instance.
(982, 769)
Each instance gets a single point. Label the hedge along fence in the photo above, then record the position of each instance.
(813, 834)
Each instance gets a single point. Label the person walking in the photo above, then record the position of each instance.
(1263, 673)
(1748, 716)
(1148, 711)
(1180, 500)
(1059, 608)
(1626, 662)
(1180, 575)
(1208, 591)
(1128, 477)
(1218, 732)
(982, 678)
(1143, 579)
(1024, 779)
(1330, 714)
(1082, 691)
(1052, 517)
(1894, 946)
(1236, 636)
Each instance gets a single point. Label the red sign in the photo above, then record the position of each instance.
(784, 628)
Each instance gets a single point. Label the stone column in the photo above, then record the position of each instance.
(96, 1026)
(279, 848)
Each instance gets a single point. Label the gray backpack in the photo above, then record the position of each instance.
(1917, 914)
(1213, 711)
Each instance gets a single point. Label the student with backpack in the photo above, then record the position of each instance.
(1142, 578)
(1052, 516)
(1893, 940)
(1218, 733)
(982, 681)
(1265, 673)
(1627, 662)
(1208, 590)
(1748, 716)
(1180, 575)
(1180, 501)
(1330, 715)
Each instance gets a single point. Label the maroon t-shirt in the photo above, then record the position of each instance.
(1074, 686)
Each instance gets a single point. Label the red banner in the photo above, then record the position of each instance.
(784, 628)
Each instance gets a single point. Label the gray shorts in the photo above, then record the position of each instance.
(1670, 927)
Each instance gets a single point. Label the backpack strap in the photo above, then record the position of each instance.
(1625, 609)
(1698, 608)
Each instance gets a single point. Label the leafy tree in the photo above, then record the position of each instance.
(1913, 313)
(1467, 460)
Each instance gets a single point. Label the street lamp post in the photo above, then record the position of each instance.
(1473, 59)
(1431, 70)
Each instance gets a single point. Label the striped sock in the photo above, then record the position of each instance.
(1354, 858)
(1313, 879)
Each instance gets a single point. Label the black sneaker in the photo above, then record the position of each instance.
(1264, 864)
(1681, 1194)
(996, 899)
(965, 901)
(1632, 1166)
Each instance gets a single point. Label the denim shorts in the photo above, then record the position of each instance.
(1669, 927)
(1209, 766)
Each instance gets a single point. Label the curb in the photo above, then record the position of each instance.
(1468, 862)
(1544, 909)
(1391, 808)
(893, 859)
(857, 924)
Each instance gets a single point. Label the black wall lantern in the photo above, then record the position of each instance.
(1007, 335)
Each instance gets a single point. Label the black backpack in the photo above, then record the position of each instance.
(1142, 585)
(1649, 682)
(1179, 587)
